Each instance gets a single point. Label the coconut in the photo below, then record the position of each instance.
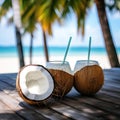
(34, 84)
(63, 82)
(89, 79)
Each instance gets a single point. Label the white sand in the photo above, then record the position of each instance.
(11, 64)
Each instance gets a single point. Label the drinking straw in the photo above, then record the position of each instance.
(67, 49)
(89, 49)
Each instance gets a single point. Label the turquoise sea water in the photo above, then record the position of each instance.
(53, 51)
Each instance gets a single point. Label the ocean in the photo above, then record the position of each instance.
(9, 56)
(11, 51)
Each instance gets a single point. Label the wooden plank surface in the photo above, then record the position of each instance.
(104, 105)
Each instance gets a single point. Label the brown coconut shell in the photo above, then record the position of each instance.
(29, 101)
(63, 82)
(89, 79)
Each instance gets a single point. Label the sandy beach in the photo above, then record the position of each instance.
(11, 64)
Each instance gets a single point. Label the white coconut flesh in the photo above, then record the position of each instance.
(36, 82)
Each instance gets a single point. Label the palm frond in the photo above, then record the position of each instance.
(47, 14)
(30, 10)
(114, 5)
(4, 8)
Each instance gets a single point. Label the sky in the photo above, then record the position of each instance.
(61, 33)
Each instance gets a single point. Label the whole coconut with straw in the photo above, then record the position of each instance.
(90, 78)
(63, 78)
(35, 84)
(62, 75)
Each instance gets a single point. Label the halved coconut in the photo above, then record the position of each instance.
(34, 84)
(63, 82)
(89, 79)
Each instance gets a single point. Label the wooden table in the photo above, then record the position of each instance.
(105, 105)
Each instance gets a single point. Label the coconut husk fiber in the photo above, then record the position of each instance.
(89, 79)
(63, 82)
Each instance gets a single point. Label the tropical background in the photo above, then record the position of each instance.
(35, 32)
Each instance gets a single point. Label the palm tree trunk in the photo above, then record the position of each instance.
(45, 47)
(19, 47)
(17, 22)
(111, 51)
(31, 47)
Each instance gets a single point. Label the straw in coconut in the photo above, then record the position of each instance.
(89, 49)
(67, 49)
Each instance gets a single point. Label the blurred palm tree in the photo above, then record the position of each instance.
(110, 47)
(45, 12)
(80, 7)
(46, 15)
(29, 25)
(17, 22)
(5, 7)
